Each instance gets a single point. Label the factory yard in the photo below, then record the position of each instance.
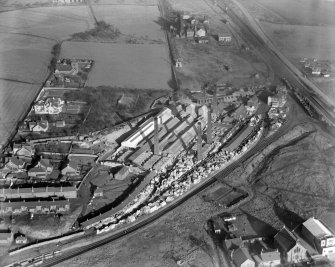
(141, 66)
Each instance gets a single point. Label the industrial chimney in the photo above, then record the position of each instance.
(156, 137)
(199, 141)
(209, 126)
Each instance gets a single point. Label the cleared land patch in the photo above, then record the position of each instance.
(128, 66)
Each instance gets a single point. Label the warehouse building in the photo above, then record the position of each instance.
(319, 236)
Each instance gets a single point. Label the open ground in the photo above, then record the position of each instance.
(144, 66)
(306, 29)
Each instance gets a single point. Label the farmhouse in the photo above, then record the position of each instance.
(319, 236)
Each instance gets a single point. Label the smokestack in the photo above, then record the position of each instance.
(156, 137)
(199, 142)
(215, 101)
(209, 126)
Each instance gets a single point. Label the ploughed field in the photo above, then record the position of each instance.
(143, 66)
(27, 37)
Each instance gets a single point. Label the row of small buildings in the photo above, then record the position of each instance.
(313, 238)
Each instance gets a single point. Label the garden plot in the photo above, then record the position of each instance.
(127, 66)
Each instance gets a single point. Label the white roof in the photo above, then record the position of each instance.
(317, 228)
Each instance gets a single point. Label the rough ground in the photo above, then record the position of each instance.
(179, 235)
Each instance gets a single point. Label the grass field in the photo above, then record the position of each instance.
(140, 21)
(129, 66)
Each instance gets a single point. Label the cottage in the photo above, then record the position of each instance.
(290, 247)
(242, 258)
(319, 236)
(203, 39)
(21, 239)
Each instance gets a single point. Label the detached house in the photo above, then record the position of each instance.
(15, 164)
(290, 247)
(268, 259)
(72, 169)
(23, 151)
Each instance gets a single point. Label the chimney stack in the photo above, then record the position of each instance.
(215, 101)
(209, 126)
(156, 137)
(199, 141)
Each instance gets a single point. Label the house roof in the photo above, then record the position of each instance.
(270, 256)
(317, 228)
(36, 170)
(43, 123)
(285, 239)
(63, 67)
(233, 243)
(32, 204)
(45, 163)
(16, 161)
(240, 256)
(21, 237)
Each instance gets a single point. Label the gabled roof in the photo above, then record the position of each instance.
(36, 170)
(270, 256)
(233, 243)
(285, 239)
(45, 163)
(16, 161)
(317, 228)
(241, 255)
(63, 67)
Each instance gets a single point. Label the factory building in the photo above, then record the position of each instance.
(319, 236)
(146, 129)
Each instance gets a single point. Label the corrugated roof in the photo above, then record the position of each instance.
(285, 239)
(317, 228)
